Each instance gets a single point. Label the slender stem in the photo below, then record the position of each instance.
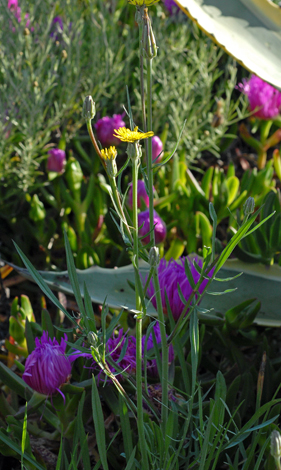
(116, 196)
(165, 350)
(135, 165)
(142, 92)
(149, 153)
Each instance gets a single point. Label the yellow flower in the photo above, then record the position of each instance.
(140, 3)
(126, 135)
(109, 154)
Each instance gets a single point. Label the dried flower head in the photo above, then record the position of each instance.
(126, 135)
(264, 99)
(47, 367)
(171, 274)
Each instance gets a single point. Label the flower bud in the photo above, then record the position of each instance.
(74, 175)
(157, 149)
(159, 227)
(56, 160)
(249, 206)
(148, 39)
(37, 210)
(153, 256)
(92, 339)
(89, 108)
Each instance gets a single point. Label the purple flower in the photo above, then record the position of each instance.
(160, 230)
(171, 274)
(56, 160)
(172, 7)
(114, 348)
(142, 195)
(47, 367)
(56, 28)
(157, 149)
(262, 96)
(151, 364)
(105, 129)
(13, 5)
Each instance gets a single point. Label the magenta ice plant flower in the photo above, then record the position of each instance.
(47, 367)
(142, 195)
(151, 364)
(56, 160)
(157, 149)
(160, 230)
(105, 128)
(171, 274)
(263, 98)
(172, 7)
(114, 348)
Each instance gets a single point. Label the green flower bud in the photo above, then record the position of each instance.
(89, 108)
(37, 211)
(153, 256)
(148, 39)
(92, 339)
(249, 206)
(73, 174)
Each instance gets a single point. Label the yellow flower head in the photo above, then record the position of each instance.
(139, 3)
(109, 154)
(126, 135)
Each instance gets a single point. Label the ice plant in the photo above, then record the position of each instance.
(114, 347)
(160, 230)
(142, 195)
(47, 367)
(56, 160)
(151, 364)
(264, 99)
(171, 275)
(265, 102)
(126, 135)
(172, 7)
(157, 149)
(105, 129)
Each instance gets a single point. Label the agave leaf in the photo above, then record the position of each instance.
(249, 30)
(258, 281)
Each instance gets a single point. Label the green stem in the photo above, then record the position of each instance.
(264, 129)
(149, 153)
(142, 93)
(135, 165)
(165, 351)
